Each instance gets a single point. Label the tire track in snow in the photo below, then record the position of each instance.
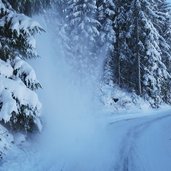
(127, 152)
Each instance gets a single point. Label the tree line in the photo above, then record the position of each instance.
(134, 35)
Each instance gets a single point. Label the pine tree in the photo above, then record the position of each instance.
(106, 14)
(163, 25)
(141, 50)
(82, 29)
(152, 72)
(19, 104)
(121, 59)
(30, 7)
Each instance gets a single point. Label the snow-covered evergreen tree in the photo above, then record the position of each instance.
(150, 71)
(30, 7)
(82, 29)
(142, 49)
(122, 53)
(106, 15)
(82, 19)
(19, 104)
(163, 25)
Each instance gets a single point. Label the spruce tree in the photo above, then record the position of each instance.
(163, 25)
(30, 7)
(106, 15)
(82, 29)
(19, 104)
(151, 72)
(141, 60)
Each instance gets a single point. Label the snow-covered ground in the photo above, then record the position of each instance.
(78, 134)
(143, 144)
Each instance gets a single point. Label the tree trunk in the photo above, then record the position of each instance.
(118, 62)
(137, 53)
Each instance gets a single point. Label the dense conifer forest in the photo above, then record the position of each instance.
(129, 41)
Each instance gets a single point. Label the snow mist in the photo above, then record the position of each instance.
(74, 136)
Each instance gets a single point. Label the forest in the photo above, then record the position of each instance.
(119, 48)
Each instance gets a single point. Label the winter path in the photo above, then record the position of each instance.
(78, 135)
(144, 143)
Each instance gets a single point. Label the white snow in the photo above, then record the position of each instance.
(6, 69)
(79, 135)
(22, 22)
(127, 102)
(6, 142)
(15, 88)
(23, 67)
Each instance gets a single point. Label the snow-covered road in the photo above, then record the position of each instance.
(143, 144)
